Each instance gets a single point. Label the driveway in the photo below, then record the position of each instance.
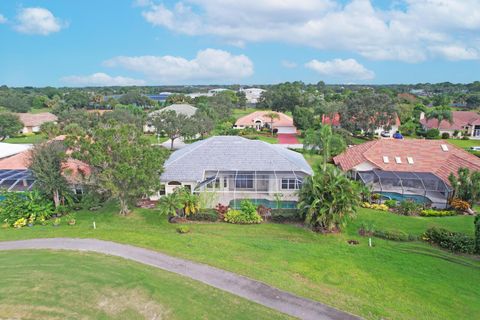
(287, 138)
(227, 281)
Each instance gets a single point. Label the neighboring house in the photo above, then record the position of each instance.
(464, 123)
(32, 122)
(227, 169)
(409, 168)
(259, 120)
(334, 121)
(15, 175)
(253, 94)
(180, 108)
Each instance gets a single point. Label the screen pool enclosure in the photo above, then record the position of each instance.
(16, 180)
(422, 187)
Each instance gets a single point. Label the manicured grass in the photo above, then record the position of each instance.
(466, 144)
(41, 110)
(268, 139)
(392, 280)
(154, 139)
(72, 285)
(238, 113)
(30, 139)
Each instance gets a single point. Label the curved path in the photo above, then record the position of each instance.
(227, 281)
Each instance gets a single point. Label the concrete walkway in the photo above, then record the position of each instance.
(227, 281)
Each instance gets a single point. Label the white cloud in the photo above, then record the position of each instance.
(101, 79)
(2, 19)
(453, 52)
(348, 69)
(288, 64)
(209, 64)
(411, 32)
(38, 21)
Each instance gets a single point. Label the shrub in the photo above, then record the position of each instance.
(432, 134)
(30, 206)
(391, 203)
(221, 210)
(459, 205)
(183, 229)
(366, 229)
(244, 216)
(465, 138)
(453, 241)
(394, 235)
(286, 215)
(437, 213)
(204, 215)
(408, 208)
(375, 206)
(264, 212)
(445, 135)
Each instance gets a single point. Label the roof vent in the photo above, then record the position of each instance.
(410, 160)
(398, 160)
(444, 147)
(385, 159)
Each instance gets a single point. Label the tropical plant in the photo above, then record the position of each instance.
(272, 116)
(325, 142)
(466, 185)
(188, 200)
(169, 205)
(27, 205)
(9, 125)
(328, 199)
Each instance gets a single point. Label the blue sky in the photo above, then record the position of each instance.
(108, 42)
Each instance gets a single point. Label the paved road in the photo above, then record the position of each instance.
(227, 281)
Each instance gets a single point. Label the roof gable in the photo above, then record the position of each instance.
(460, 120)
(284, 121)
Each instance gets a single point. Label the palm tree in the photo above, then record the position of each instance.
(272, 115)
(328, 199)
(170, 204)
(440, 113)
(325, 141)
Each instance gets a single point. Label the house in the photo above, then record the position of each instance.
(259, 120)
(407, 169)
(464, 123)
(180, 108)
(253, 95)
(227, 169)
(334, 121)
(32, 122)
(15, 175)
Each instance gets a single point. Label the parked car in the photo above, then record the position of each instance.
(385, 134)
(475, 148)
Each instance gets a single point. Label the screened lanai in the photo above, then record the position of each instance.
(421, 187)
(16, 180)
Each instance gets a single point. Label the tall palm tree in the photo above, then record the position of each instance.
(440, 113)
(272, 115)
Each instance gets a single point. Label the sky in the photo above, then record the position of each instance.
(155, 42)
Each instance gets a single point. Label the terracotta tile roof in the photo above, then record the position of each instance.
(248, 120)
(427, 156)
(460, 120)
(37, 119)
(335, 120)
(18, 161)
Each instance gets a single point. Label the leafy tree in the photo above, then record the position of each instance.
(441, 100)
(328, 199)
(242, 99)
(283, 97)
(136, 98)
(10, 124)
(203, 123)
(51, 129)
(409, 128)
(39, 102)
(466, 186)
(440, 114)
(171, 123)
(46, 163)
(272, 116)
(303, 117)
(126, 114)
(122, 161)
(77, 99)
(368, 111)
(15, 102)
(473, 101)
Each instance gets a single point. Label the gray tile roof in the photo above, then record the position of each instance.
(231, 153)
(185, 109)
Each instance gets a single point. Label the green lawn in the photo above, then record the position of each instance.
(392, 280)
(238, 113)
(30, 139)
(466, 144)
(154, 139)
(71, 285)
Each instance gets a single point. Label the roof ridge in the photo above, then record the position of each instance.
(276, 149)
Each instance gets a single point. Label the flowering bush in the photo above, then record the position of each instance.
(30, 206)
(375, 206)
(437, 213)
(247, 215)
(22, 222)
(460, 205)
